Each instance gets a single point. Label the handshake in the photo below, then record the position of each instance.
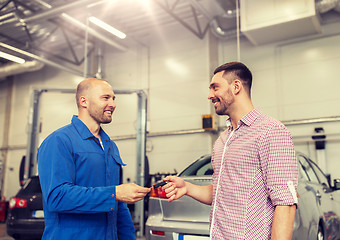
(131, 192)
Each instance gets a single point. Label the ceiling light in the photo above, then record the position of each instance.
(107, 27)
(11, 57)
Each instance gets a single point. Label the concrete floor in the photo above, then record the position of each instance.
(4, 236)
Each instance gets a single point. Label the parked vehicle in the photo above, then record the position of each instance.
(25, 216)
(317, 216)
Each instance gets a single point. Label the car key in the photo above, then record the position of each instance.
(160, 184)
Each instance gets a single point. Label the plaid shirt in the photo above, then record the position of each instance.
(258, 171)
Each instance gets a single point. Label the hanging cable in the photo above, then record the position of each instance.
(85, 47)
(238, 30)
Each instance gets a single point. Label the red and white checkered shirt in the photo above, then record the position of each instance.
(258, 171)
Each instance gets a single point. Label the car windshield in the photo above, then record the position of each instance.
(201, 167)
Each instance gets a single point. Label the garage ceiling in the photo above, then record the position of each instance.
(56, 29)
(49, 28)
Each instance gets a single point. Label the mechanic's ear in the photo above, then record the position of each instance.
(83, 101)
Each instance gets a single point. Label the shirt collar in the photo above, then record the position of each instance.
(250, 117)
(247, 119)
(84, 132)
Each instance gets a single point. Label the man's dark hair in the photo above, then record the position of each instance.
(239, 70)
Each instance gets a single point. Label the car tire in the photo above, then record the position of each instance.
(320, 235)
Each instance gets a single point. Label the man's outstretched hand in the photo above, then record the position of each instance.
(131, 192)
(175, 188)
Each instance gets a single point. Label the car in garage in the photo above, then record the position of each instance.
(317, 216)
(25, 216)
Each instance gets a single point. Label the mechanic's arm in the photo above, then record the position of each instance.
(283, 223)
(177, 187)
(77, 199)
(57, 176)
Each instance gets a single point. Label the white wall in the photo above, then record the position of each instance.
(3, 96)
(4, 89)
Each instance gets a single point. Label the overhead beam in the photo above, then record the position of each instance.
(55, 11)
(48, 14)
(93, 32)
(43, 60)
(86, 28)
(170, 10)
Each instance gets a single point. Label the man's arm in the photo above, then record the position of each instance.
(280, 169)
(177, 187)
(57, 176)
(283, 222)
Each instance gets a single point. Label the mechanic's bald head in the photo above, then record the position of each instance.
(84, 87)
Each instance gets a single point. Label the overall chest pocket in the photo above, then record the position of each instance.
(114, 169)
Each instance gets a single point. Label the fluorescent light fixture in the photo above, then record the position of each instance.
(11, 57)
(107, 27)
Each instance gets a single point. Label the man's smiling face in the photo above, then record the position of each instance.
(220, 94)
(101, 102)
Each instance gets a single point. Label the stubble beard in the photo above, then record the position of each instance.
(222, 110)
(223, 107)
(106, 120)
(100, 117)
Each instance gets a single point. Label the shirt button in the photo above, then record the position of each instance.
(112, 195)
(111, 209)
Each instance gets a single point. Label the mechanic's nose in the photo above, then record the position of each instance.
(112, 104)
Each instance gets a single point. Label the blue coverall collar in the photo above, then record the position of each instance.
(84, 132)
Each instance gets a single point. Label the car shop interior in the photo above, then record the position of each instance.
(159, 57)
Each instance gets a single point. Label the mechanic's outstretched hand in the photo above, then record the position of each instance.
(175, 188)
(131, 192)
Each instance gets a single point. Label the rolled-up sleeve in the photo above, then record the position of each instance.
(279, 165)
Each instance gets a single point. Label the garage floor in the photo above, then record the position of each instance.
(4, 236)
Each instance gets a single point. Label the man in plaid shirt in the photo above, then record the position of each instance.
(253, 191)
